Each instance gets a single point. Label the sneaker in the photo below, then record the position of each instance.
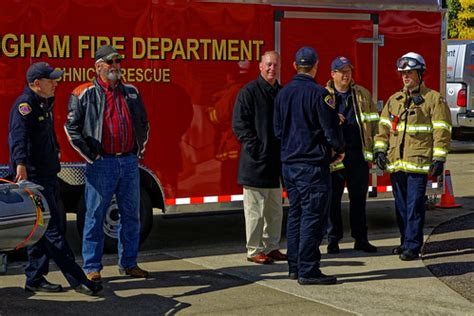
(135, 272)
(365, 246)
(333, 248)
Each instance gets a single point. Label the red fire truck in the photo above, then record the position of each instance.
(189, 59)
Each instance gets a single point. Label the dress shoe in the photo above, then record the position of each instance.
(91, 289)
(135, 272)
(333, 247)
(261, 258)
(293, 275)
(277, 255)
(365, 246)
(44, 286)
(94, 276)
(320, 279)
(408, 255)
(397, 250)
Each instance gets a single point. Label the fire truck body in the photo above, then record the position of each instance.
(188, 59)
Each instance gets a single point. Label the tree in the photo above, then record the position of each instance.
(461, 18)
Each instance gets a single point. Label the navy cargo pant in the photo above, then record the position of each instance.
(356, 176)
(409, 191)
(53, 244)
(308, 188)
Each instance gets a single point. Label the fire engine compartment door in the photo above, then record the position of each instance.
(353, 35)
(332, 35)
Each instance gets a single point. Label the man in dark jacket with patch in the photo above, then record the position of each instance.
(307, 123)
(34, 156)
(259, 165)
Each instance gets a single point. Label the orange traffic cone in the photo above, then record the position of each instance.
(447, 198)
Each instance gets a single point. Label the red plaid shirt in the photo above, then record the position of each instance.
(117, 130)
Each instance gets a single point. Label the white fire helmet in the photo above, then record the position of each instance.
(411, 61)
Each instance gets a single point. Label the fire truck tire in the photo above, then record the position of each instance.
(112, 219)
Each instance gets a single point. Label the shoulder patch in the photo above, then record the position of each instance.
(329, 100)
(24, 108)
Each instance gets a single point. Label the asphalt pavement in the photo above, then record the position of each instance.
(198, 266)
(196, 272)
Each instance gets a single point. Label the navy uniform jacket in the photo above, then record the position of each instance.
(307, 123)
(252, 123)
(31, 135)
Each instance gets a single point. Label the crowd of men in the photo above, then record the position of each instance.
(327, 139)
(308, 139)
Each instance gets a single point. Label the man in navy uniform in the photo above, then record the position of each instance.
(306, 121)
(34, 156)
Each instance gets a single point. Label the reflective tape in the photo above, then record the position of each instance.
(415, 128)
(439, 152)
(442, 125)
(380, 144)
(335, 167)
(370, 117)
(240, 197)
(385, 121)
(401, 165)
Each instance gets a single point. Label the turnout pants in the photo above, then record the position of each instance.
(409, 190)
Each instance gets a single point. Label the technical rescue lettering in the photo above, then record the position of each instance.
(152, 48)
(129, 75)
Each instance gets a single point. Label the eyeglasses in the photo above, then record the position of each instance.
(407, 61)
(111, 61)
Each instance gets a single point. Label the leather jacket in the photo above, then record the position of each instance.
(86, 115)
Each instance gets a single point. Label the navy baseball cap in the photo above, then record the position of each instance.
(42, 70)
(340, 62)
(306, 56)
(105, 53)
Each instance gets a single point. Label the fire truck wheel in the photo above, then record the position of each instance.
(112, 219)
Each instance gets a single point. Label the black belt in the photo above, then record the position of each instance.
(117, 154)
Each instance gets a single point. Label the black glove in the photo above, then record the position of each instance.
(436, 168)
(381, 160)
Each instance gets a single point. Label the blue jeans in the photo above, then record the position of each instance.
(308, 188)
(105, 177)
(409, 191)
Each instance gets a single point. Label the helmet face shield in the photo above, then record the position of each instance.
(409, 63)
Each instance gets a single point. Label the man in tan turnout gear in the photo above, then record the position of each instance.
(358, 118)
(412, 143)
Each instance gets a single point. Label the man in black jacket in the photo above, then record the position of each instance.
(259, 164)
